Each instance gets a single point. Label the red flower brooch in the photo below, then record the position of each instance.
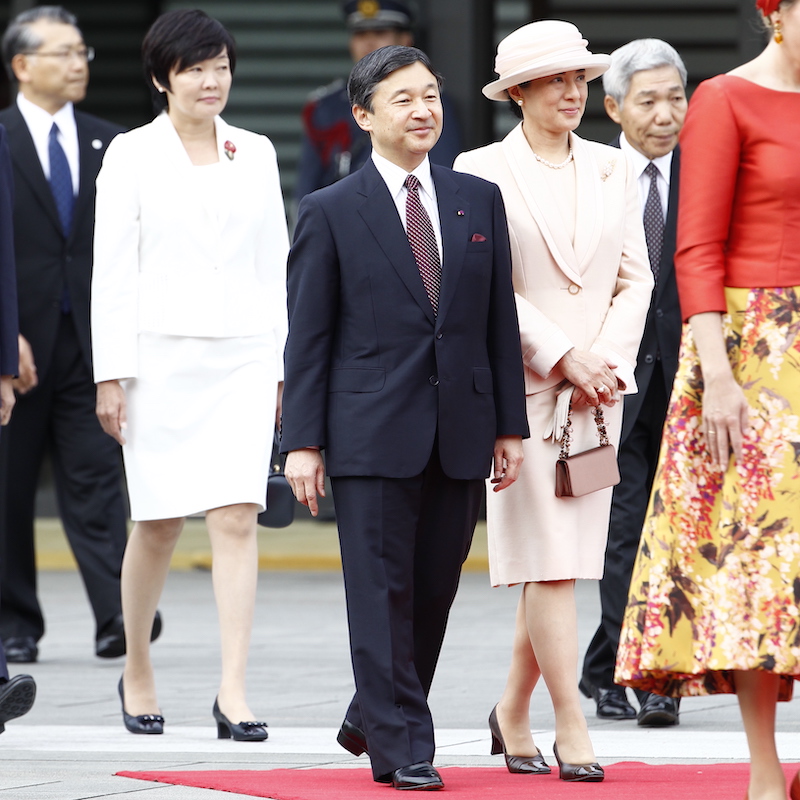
(768, 6)
(230, 149)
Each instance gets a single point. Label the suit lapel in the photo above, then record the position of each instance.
(589, 219)
(24, 153)
(540, 203)
(90, 157)
(379, 212)
(671, 226)
(454, 222)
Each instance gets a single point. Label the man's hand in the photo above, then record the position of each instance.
(507, 461)
(28, 377)
(7, 398)
(305, 472)
(112, 409)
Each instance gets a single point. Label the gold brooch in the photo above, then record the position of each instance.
(608, 169)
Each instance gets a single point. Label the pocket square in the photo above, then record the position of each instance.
(477, 237)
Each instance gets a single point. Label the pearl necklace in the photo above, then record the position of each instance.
(551, 164)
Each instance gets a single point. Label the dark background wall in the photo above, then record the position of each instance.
(289, 48)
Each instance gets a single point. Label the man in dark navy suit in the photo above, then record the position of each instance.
(56, 154)
(646, 95)
(18, 693)
(403, 365)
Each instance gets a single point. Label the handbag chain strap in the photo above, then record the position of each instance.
(602, 433)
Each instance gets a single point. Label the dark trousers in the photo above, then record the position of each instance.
(58, 417)
(638, 459)
(403, 542)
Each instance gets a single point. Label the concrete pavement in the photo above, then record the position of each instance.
(73, 740)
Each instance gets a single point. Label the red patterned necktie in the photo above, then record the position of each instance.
(653, 221)
(423, 242)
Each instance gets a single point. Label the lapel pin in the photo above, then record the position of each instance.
(460, 213)
(97, 144)
(230, 149)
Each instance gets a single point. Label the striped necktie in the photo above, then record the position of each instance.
(423, 242)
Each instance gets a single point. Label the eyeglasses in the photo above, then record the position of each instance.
(81, 53)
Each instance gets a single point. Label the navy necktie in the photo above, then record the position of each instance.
(653, 221)
(60, 180)
(422, 239)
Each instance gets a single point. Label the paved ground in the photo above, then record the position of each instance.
(72, 742)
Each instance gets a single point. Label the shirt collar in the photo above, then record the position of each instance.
(40, 121)
(640, 162)
(395, 177)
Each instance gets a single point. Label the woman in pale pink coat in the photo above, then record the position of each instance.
(583, 285)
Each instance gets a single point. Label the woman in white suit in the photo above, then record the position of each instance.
(188, 328)
(583, 287)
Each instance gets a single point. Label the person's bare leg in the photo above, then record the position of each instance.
(144, 572)
(234, 549)
(513, 710)
(553, 629)
(757, 693)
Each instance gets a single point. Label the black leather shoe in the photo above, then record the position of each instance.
(110, 641)
(417, 776)
(16, 698)
(238, 731)
(142, 723)
(352, 738)
(611, 703)
(658, 712)
(21, 649)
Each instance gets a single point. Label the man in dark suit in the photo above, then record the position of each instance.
(18, 693)
(403, 364)
(645, 95)
(56, 154)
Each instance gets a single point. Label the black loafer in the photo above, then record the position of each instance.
(417, 776)
(611, 703)
(16, 698)
(352, 738)
(658, 712)
(110, 641)
(21, 649)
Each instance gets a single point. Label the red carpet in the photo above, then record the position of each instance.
(624, 781)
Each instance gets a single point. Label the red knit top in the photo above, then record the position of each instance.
(739, 207)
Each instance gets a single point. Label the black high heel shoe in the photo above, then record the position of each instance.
(530, 765)
(578, 772)
(143, 723)
(239, 732)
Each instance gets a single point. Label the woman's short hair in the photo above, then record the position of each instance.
(179, 39)
(21, 38)
(373, 68)
(638, 55)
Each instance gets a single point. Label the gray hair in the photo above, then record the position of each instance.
(638, 55)
(19, 38)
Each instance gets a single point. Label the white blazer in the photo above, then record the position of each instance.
(593, 294)
(182, 251)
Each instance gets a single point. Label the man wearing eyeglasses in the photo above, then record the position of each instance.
(56, 154)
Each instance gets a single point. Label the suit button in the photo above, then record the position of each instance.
(439, 335)
(659, 312)
(433, 380)
(573, 288)
(649, 359)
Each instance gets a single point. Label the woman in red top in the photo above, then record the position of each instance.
(715, 592)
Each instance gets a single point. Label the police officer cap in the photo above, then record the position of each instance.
(364, 15)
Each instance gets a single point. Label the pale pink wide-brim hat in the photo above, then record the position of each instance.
(540, 49)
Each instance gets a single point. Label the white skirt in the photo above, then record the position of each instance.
(201, 416)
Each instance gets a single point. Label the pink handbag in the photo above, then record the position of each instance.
(591, 470)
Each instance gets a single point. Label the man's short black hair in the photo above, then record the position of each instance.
(179, 39)
(373, 68)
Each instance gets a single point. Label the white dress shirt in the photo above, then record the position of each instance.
(40, 122)
(640, 163)
(395, 178)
